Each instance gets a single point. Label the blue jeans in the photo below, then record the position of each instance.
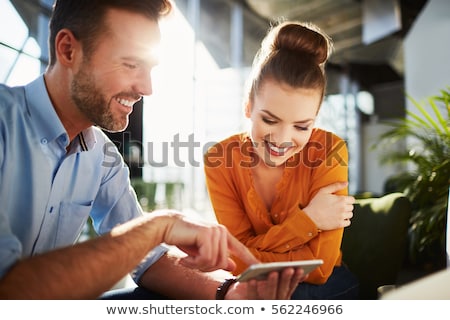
(341, 285)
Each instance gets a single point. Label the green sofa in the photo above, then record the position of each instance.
(375, 244)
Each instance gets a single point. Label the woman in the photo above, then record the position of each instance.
(281, 188)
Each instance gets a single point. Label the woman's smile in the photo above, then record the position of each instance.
(277, 151)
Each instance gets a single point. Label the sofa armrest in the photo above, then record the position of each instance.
(375, 244)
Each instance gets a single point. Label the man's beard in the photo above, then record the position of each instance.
(92, 103)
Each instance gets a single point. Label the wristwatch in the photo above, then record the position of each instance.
(223, 288)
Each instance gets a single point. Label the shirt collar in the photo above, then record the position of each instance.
(48, 124)
(87, 139)
(45, 119)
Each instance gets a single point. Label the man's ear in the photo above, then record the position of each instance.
(66, 46)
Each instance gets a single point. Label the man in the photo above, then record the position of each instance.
(53, 176)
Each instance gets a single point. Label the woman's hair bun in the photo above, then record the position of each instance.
(293, 53)
(304, 39)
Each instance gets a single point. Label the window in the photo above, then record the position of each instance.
(20, 54)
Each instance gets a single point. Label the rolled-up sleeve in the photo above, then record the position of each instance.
(150, 259)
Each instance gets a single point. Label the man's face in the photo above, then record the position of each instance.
(109, 82)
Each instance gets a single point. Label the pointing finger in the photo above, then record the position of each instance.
(241, 251)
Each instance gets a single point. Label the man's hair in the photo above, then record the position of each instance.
(85, 18)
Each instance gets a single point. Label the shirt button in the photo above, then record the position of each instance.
(288, 246)
(276, 215)
(44, 141)
(310, 234)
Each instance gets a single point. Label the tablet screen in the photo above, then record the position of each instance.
(261, 270)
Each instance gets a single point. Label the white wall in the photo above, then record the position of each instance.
(374, 173)
(427, 51)
(427, 70)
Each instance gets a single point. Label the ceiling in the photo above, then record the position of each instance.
(369, 61)
(349, 23)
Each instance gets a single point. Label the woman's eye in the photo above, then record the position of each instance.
(268, 121)
(301, 128)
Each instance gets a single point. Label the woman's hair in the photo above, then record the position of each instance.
(292, 53)
(85, 18)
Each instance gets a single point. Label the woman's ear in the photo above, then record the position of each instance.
(248, 109)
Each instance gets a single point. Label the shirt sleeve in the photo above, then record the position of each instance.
(10, 248)
(107, 214)
(150, 259)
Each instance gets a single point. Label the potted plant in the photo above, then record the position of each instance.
(426, 133)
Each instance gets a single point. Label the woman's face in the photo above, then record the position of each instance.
(282, 120)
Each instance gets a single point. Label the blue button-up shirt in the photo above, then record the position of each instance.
(49, 186)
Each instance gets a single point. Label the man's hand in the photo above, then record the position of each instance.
(207, 245)
(331, 211)
(277, 286)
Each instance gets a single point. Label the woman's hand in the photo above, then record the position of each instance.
(330, 211)
(277, 286)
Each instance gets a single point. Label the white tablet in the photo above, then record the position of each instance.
(261, 270)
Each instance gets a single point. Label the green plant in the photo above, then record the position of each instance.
(426, 182)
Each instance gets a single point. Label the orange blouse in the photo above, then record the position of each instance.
(285, 233)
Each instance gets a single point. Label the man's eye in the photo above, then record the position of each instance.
(130, 66)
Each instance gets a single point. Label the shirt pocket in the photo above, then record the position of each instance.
(72, 219)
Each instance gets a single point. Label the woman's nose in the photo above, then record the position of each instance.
(281, 137)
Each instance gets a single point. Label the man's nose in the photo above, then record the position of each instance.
(143, 84)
